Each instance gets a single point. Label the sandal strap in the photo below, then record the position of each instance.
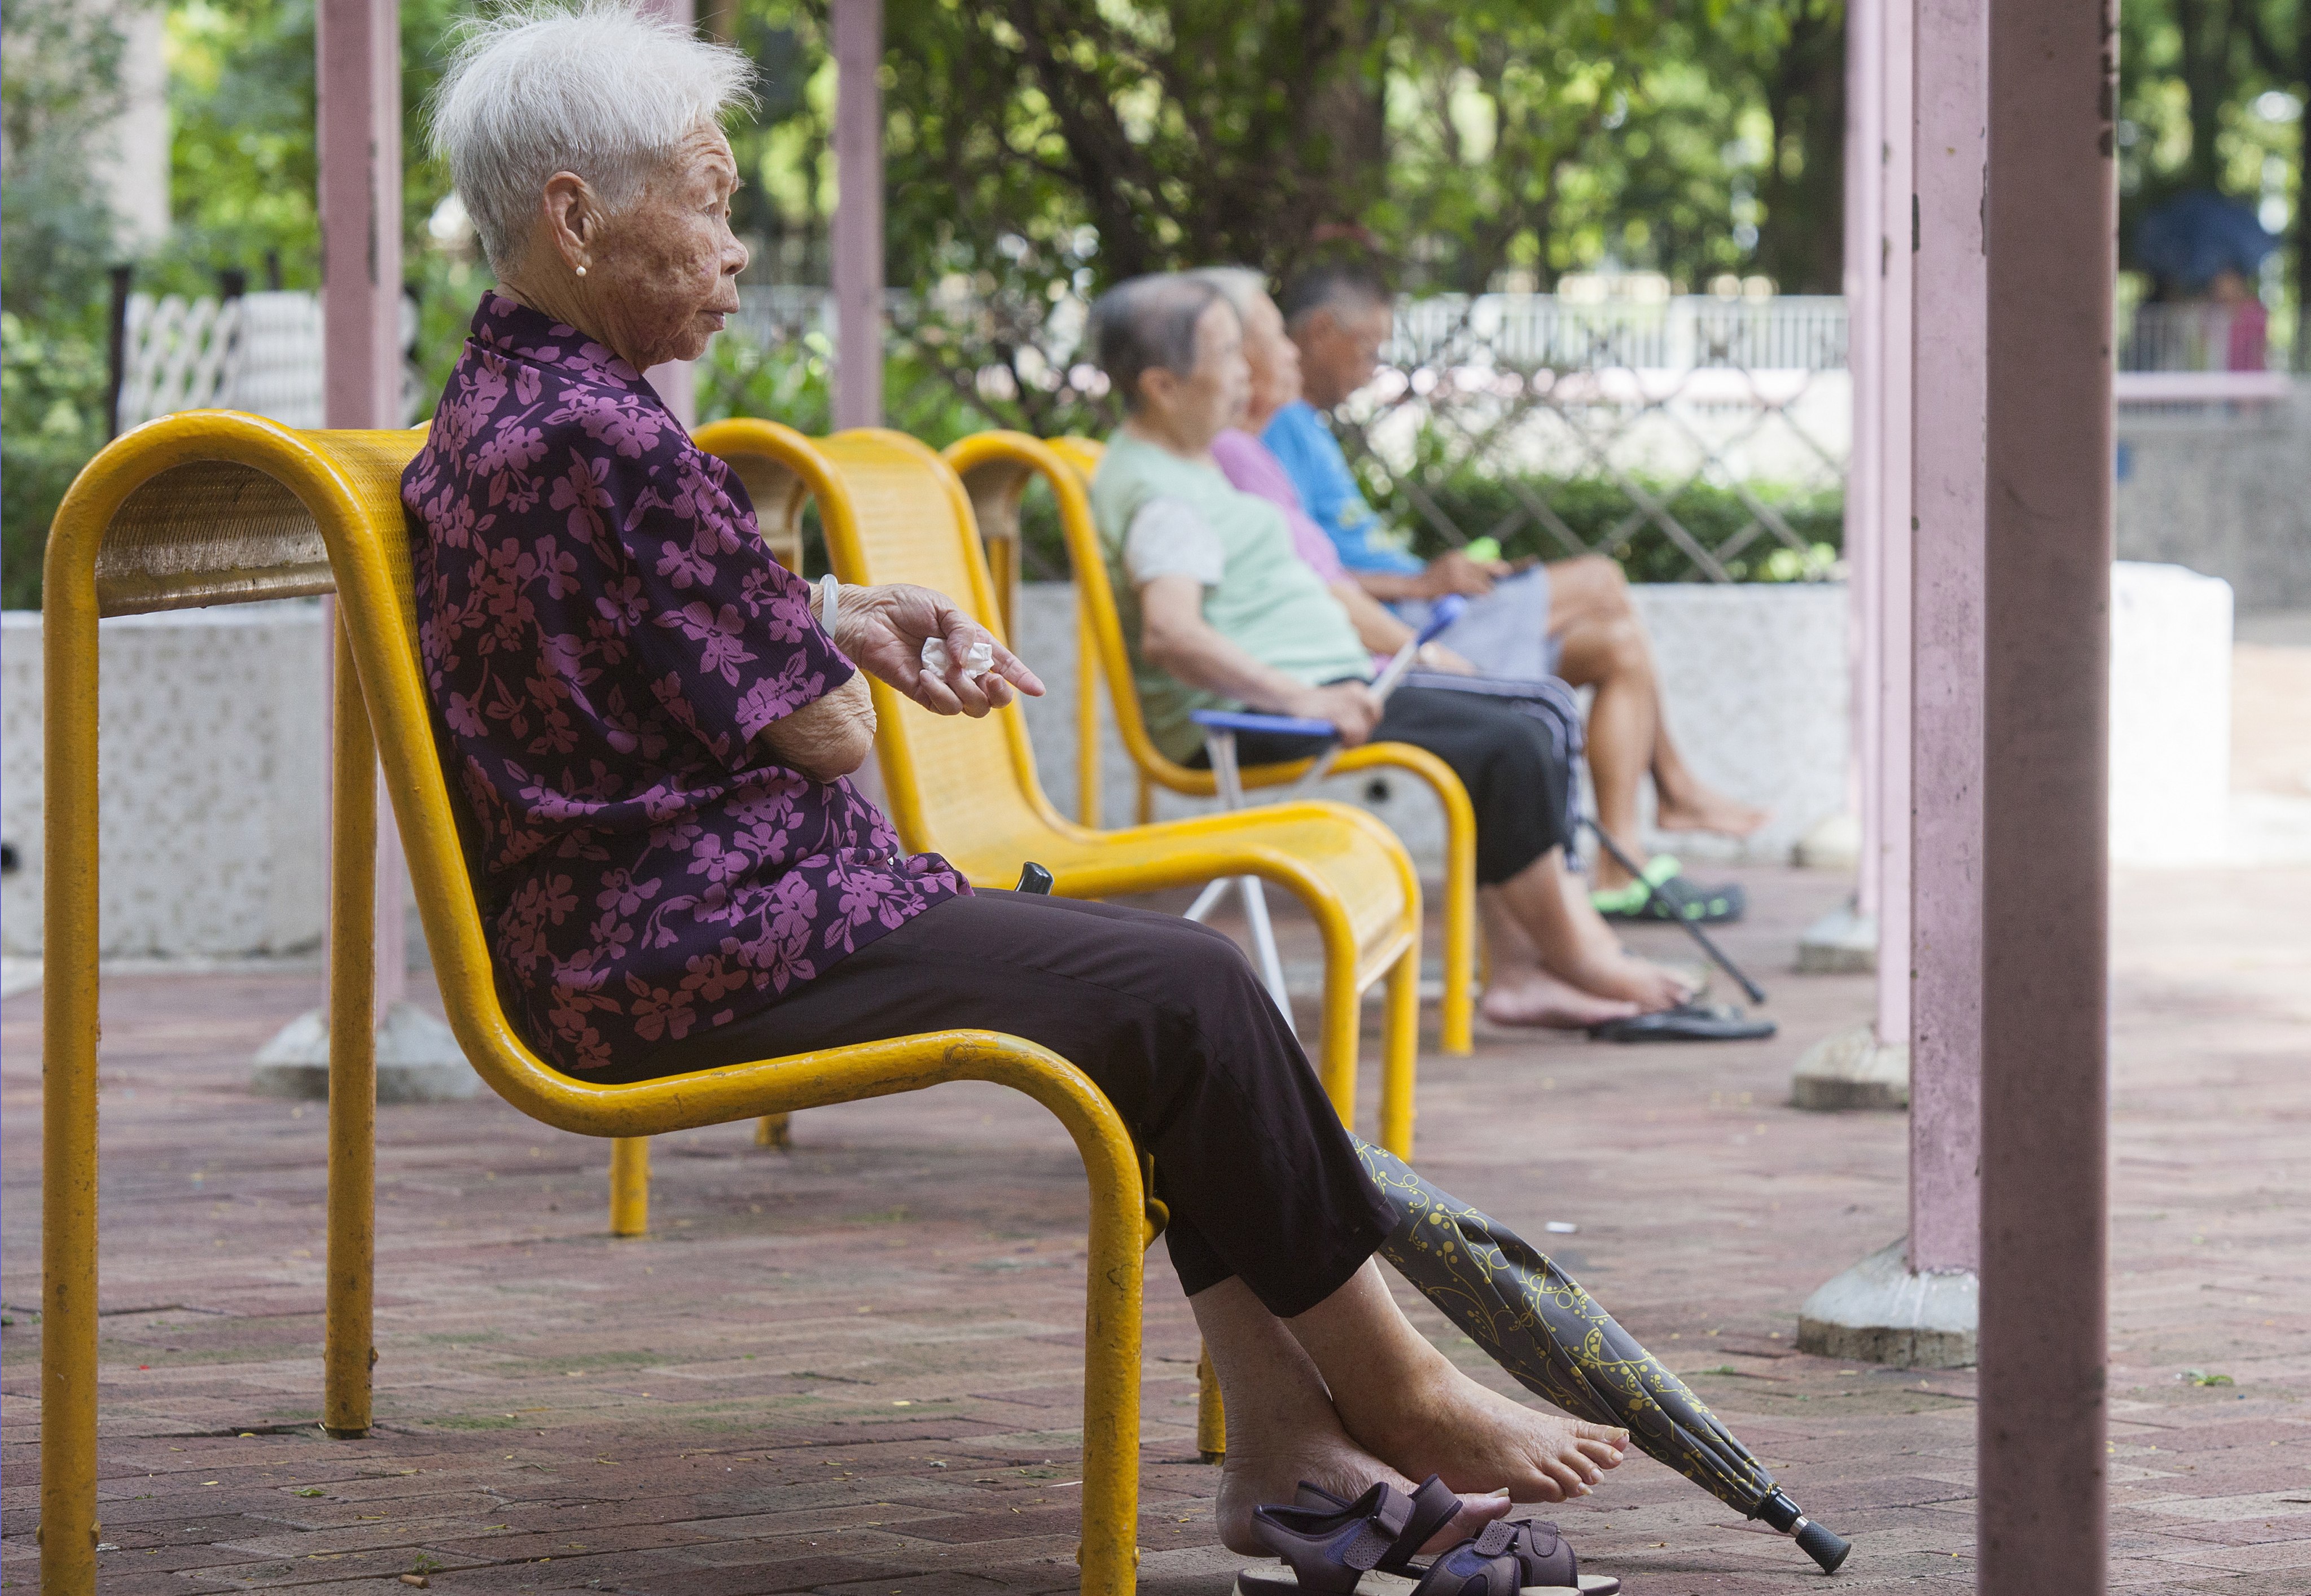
(1383, 1527)
(1465, 1571)
(1329, 1552)
(1543, 1555)
(1433, 1505)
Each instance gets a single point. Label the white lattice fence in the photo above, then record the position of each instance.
(260, 352)
(1521, 391)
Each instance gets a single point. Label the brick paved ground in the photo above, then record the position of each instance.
(855, 1366)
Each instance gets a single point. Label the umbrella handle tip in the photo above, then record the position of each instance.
(1824, 1545)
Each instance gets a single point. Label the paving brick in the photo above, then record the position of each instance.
(731, 1404)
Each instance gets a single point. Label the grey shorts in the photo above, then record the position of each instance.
(1504, 633)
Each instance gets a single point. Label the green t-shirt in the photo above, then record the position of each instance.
(1258, 592)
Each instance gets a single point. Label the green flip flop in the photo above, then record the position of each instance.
(1671, 895)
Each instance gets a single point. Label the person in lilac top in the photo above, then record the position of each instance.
(652, 726)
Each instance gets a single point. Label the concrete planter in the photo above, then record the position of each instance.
(213, 767)
(1753, 677)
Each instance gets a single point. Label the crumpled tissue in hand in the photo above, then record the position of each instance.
(977, 662)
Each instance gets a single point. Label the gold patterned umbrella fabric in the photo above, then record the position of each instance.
(1538, 1324)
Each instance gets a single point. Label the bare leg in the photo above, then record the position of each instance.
(1409, 1404)
(1604, 646)
(1570, 962)
(1522, 990)
(1282, 1427)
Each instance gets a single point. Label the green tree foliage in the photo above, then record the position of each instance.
(59, 85)
(1040, 149)
(2212, 95)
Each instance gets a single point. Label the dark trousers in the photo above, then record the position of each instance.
(1167, 1019)
(1515, 763)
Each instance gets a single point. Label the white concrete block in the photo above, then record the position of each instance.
(2171, 715)
(1754, 677)
(211, 767)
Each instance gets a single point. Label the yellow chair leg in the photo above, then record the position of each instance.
(347, 1341)
(1088, 750)
(1343, 1019)
(68, 1017)
(1109, 1554)
(1401, 1058)
(772, 1130)
(1211, 1414)
(629, 1185)
(1456, 1016)
(1145, 813)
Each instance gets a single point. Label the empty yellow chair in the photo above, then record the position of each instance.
(893, 511)
(210, 508)
(996, 468)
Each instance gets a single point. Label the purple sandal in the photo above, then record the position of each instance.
(1335, 1547)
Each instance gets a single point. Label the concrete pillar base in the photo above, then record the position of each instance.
(1882, 1311)
(418, 1060)
(1833, 843)
(1843, 942)
(1853, 1069)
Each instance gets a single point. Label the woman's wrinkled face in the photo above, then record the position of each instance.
(1273, 358)
(1197, 407)
(663, 273)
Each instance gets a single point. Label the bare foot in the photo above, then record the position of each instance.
(1267, 1472)
(1611, 972)
(1701, 809)
(1476, 1439)
(1533, 997)
(1600, 966)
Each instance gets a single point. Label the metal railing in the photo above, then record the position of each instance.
(2203, 337)
(1526, 331)
(1489, 408)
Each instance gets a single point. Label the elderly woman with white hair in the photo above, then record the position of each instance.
(654, 724)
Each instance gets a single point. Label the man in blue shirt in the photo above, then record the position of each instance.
(1570, 618)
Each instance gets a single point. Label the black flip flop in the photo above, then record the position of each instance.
(1687, 1022)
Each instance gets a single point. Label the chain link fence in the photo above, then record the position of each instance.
(1691, 438)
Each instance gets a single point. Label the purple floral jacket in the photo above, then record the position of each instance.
(604, 634)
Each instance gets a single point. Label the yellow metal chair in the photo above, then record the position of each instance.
(210, 508)
(996, 468)
(893, 511)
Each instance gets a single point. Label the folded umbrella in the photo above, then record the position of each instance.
(1538, 1324)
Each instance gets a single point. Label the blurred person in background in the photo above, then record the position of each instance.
(1569, 618)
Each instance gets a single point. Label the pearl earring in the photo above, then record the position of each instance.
(581, 271)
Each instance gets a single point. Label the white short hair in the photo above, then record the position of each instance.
(1241, 285)
(600, 89)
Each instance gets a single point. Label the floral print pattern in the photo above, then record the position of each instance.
(604, 634)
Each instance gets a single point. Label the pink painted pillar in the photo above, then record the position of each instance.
(2052, 222)
(857, 264)
(1864, 285)
(358, 48)
(1893, 513)
(1878, 487)
(676, 382)
(1950, 349)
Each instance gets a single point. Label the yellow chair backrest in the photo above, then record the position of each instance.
(1068, 464)
(948, 777)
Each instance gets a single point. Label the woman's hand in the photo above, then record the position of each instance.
(1437, 658)
(1350, 706)
(882, 629)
